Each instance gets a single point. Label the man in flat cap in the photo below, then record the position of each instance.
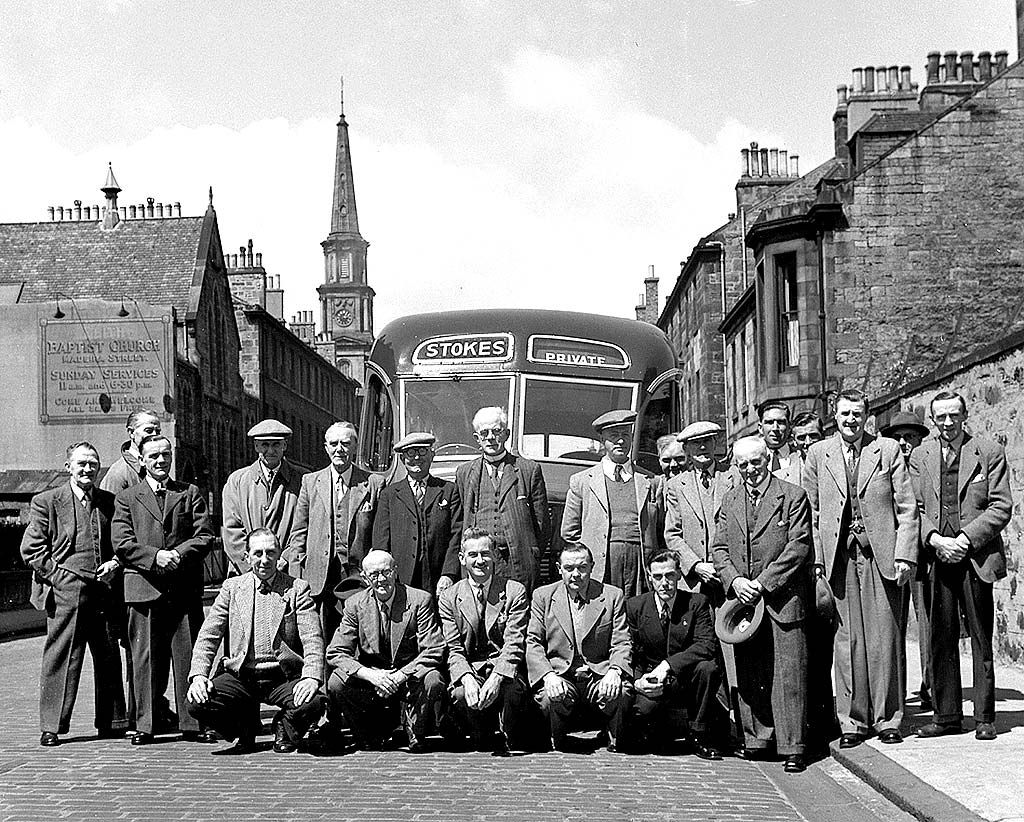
(419, 519)
(692, 500)
(261, 495)
(907, 429)
(612, 508)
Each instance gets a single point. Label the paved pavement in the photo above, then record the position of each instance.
(89, 779)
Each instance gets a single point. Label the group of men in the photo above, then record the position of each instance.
(415, 603)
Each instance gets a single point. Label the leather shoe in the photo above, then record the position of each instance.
(205, 737)
(752, 754)
(890, 736)
(985, 731)
(850, 740)
(417, 746)
(795, 764)
(708, 752)
(142, 738)
(933, 729)
(48, 739)
(282, 744)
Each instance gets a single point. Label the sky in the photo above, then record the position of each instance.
(528, 154)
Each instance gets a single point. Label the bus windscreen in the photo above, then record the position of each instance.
(446, 408)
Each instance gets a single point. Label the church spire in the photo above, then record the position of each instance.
(344, 218)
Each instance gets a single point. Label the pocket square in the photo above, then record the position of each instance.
(979, 478)
(443, 503)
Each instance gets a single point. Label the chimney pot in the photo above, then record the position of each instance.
(51, 211)
(880, 79)
(794, 165)
(784, 162)
(1001, 61)
(905, 78)
(967, 66)
(259, 259)
(160, 210)
(177, 209)
(96, 211)
(234, 261)
(60, 213)
(142, 211)
(869, 79)
(950, 64)
(773, 162)
(744, 162)
(132, 212)
(78, 209)
(858, 80)
(932, 68)
(764, 162)
(894, 78)
(124, 212)
(842, 95)
(984, 66)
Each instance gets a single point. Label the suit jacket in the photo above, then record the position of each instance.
(522, 502)
(139, 530)
(605, 639)
(394, 528)
(294, 624)
(586, 517)
(886, 501)
(690, 637)
(312, 537)
(689, 529)
(417, 646)
(243, 508)
(49, 539)
(123, 473)
(505, 617)
(985, 500)
(779, 553)
(791, 472)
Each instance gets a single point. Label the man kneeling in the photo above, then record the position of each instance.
(274, 653)
(386, 655)
(577, 648)
(484, 618)
(675, 658)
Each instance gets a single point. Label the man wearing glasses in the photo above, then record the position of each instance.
(504, 493)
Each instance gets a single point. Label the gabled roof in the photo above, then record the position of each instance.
(155, 261)
(898, 122)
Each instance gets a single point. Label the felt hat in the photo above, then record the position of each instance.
(824, 600)
(348, 587)
(736, 622)
(905, 419)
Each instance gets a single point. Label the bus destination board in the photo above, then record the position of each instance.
(553, 350)
(464, 348)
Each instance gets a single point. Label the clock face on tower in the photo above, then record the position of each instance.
(344, 312)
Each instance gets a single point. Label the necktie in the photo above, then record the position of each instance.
(481, 627)
(851, 458)
(417, 491)
(705, 480)
(270, 477)
(754, 495)
(776, 462)
(264, 587)
(385, 631)
(663, 613)
(494, 469)
(618, 473)
(161, 495)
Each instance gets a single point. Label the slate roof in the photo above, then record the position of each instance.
(898, 122)
(155, 261)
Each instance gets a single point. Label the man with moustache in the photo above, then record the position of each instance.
(775, 429)
(763, 551)
(261, 495)
(865, 540)
(67, 545)
(504, 493)
(962, 486)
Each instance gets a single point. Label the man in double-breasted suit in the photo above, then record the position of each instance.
(962, 487)
(261, 495)
(273, 652)
(763, 551)
(675, 659)
(386, 658)
(161, 533)
(419, 519)
(577, 649)
(483, 618)
(865, 541)
(505, 494)
(612, 508)
(67, 545)
(333, 522)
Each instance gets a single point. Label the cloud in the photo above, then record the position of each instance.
(581, 191)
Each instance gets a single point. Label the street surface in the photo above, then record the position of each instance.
(90, 779)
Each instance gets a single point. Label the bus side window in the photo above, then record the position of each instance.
(380, 424)
(656, 419)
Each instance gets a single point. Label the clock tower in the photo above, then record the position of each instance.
(346, 298)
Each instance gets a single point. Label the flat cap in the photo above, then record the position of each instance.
(698, 430)
(270, 429)
(905, 419)
(420, 438)
(612, 418)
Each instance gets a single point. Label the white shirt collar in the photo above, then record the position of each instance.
(663, 605)
(154, 484)
(346, 476)
(609, 469)
(77, 490)
(486, 586)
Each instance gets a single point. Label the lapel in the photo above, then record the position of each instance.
(649, 614)
(323, 487)
(147, 497)
(404, 492)
(277, 603)
(968, 464)
(369, 618)
(242, 616)
(870, 461)
(66, 503)
(592, 611)
(642, 485)
(399, 606)
(430, 493)
(467, 604)
(930, 462)
(495, 602)
(595, 476)
(690, 492)
(175, 493)
(768, 507)
(509, 478)
(835, 464)
(560, 610)
(738, 509)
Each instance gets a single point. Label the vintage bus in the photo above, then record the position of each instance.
(553, 371)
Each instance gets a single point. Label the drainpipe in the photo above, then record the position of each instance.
(823, 347)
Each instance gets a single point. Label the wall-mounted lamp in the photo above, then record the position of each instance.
(122, 311)
(58, 314)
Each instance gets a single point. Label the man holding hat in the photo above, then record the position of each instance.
(613, 509)
(907, 429)
(261, 495)
(419, 519)
(692, 500)
(762, 551)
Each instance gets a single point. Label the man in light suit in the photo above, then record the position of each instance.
(675, 659)
(763, 551)
(274, 652)
(865, 542)
(261, 495)
(161, 533)
(505, 494)
(578, 651)
(613, 508)
(962, 486)
(692, 500)
(67, 545)
(483, 618)
(333, 522)
(773, 424)
(419, 519)
(386, 658)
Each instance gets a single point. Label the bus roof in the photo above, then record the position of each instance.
(496, 340)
